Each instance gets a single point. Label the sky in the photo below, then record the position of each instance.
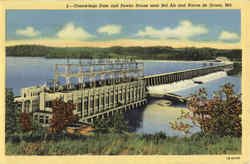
(104, 28)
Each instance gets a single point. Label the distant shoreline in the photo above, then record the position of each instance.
(156, 54)
(138, 60)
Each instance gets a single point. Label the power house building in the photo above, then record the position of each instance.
(102, 88)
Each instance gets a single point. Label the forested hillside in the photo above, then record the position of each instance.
(157, 53)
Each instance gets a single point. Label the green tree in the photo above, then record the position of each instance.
(116, 123)
(11, 113)
(220, 115)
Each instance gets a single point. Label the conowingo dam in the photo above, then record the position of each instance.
(106, 86)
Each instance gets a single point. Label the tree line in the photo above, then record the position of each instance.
(146, 53)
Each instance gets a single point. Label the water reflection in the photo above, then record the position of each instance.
(155, 117)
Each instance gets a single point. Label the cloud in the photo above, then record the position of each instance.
(183, 31)
(110, 29)
(69, 31)
(28, 32)
(226, 35)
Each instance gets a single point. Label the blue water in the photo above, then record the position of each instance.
(23, 72)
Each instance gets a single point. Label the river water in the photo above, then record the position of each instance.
(156, 114)
(29, 71)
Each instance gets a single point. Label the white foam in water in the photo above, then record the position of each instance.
(210, 77)
(185, 84)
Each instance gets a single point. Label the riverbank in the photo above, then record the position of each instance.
(112, 141)
(127, 144)
(115, 142)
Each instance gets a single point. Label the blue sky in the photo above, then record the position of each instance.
(222, 26)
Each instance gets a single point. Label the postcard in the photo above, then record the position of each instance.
(125, 81)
